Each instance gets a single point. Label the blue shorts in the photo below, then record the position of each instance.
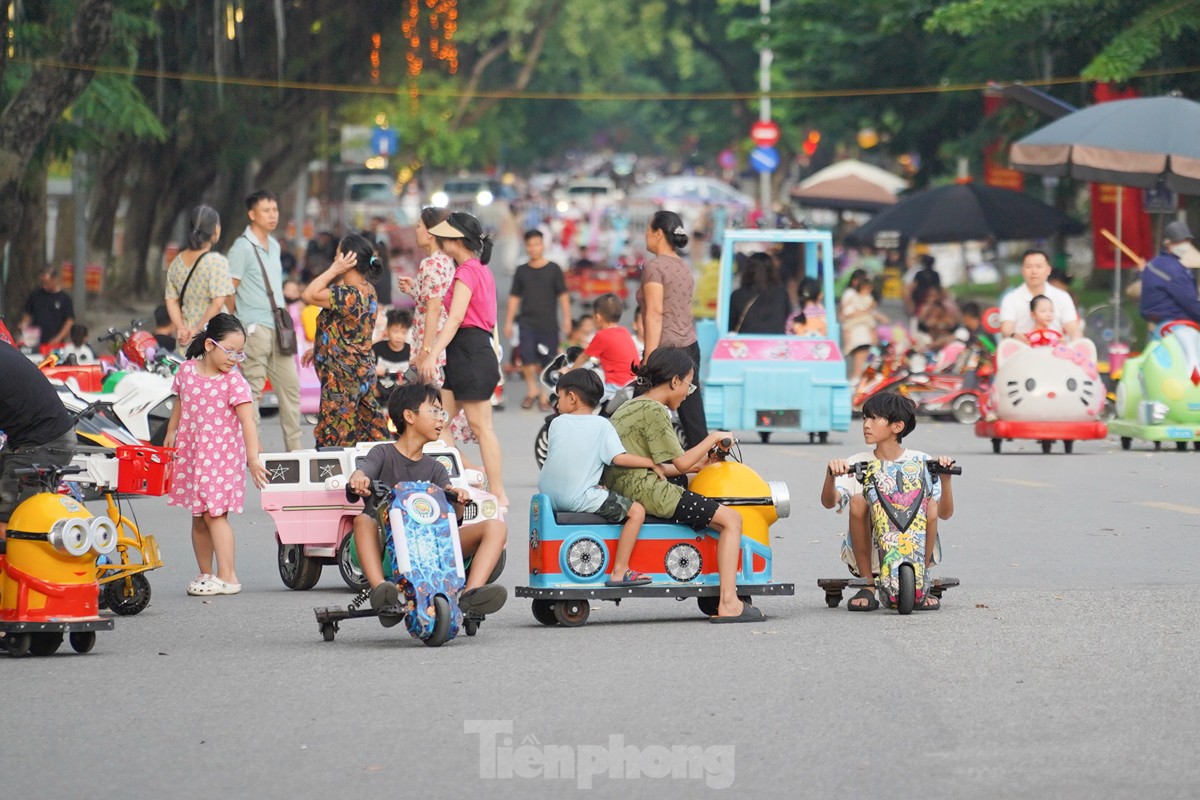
(531, 353)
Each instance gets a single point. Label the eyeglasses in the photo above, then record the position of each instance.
(236, 358)
(691, 388)
(437, 413)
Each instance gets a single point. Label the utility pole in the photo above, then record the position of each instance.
(765, 56)
(79, 190)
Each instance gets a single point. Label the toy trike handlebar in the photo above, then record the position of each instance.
(859, 468)
(380, 492)
(48, 476)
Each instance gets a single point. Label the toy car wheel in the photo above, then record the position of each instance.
(543, 612)
(351, 573)
(328, 631)
(908, 589)
(127, 596)
(571, 613)
(1196, 445)
(995, 445)
(310, 419)
(1126, 442)
(470, 626)
(296, 570)
(966, 409)
(823, 437)
(1181, 446)
(45, 644)
(708, 604)
(441, 623)
(83, 641)
(1068, 446)
(833, 599)
(764, 437)
(18, 644)
(1158, 445)
(541, 445)
(1046, 446)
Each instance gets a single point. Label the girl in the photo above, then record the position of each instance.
(644, 425)
(198, 281)
(211, 460)
(810, 319)
(665, 298)
(472, 371)
(349, 411)
(858, 317)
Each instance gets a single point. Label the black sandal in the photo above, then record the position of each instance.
(863, 594)
(925, 599)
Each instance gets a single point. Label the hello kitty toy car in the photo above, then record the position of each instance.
(1046, 393)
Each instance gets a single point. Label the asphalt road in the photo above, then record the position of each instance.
(1064, 666)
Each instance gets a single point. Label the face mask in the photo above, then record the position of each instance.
(1182, 249)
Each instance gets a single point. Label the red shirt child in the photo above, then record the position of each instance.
(612, 345)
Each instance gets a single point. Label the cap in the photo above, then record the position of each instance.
(445, 230)
(1177, 231)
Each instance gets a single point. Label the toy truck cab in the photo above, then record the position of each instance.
(774, 382)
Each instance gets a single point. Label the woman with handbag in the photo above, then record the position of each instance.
(198, 281)
(345, 363)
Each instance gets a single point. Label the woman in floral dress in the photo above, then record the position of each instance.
(349, 411)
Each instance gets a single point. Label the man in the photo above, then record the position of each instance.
(1015, 319)
(1168, 288)
(540, 290)
(49, 308)
(39, 428)
(251, 304)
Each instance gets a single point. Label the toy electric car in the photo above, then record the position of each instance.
(1158, 398)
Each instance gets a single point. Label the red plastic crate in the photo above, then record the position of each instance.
(144, 469)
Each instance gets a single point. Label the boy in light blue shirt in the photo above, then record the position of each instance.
(581, 444)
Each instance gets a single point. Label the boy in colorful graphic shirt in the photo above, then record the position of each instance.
(887, 419)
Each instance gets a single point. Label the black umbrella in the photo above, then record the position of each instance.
(966, 211)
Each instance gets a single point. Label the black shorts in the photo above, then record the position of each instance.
(530, 340)
(695, 510)
(472, 371)
(56, 452)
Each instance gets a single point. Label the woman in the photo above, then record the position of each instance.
(198, 281)
(858, 315)
(665, 298)
(644, 425)
(760, 304)
(349, 412)
(472, 370)
(435, 274)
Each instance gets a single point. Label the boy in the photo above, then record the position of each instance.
(612, 345)
(164, 330)
(392, 353)
(540, 291)
(580, 446)
(887, 419)
(78, 348)
(416, 411)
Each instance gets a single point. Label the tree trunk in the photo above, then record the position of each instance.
(27, 253)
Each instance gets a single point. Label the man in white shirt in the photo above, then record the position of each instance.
(1015, 317)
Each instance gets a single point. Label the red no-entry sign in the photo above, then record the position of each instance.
(764, 134)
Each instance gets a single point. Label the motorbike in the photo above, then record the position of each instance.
(898, 495)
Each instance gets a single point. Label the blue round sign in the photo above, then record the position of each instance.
(764, 159)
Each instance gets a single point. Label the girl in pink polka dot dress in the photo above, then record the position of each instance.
(212, 425)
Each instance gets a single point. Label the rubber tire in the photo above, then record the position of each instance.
(908, 589)
(1126, 442)
(304, 574)
(833, 600)
(543, 612)
(328, 632)
(83, 641)
(45, 644)
(965, 409)
(310, 419)
(441, 624)
(823, 437)
(470, 627)
(995, 446)
(1068, 446)
(571, 613)
(541, 444)
(18, 644)
(1158, 445)
(764, 437)
(352, 575)
(1181, 446)
(1047, 446)
(498, 570)
(114, 595)
(1196, 445)
(708, 604)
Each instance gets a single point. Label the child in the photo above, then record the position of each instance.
(809, 320)
(644, 425)
(392, 353)
(79, 347)
(612, 345)
(581, 444)
(212, 425)
(416, 411)
(582, 331)
(887, 419)
(164, 330)
(1041, 308)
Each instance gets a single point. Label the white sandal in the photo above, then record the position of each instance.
(196, 587)
(221, 587)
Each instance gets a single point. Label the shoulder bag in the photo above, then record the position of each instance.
(285, 332)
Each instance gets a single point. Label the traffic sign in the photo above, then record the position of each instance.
(384, 141)
(764, 159)
(727, 159)
(764, 133)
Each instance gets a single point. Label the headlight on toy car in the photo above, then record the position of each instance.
(488, 509)
(71, 536)
(780, 498)
(103, 535)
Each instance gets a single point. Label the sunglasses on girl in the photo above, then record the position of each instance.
(236, 358)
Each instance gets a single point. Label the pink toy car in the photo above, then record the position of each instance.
(306, 498)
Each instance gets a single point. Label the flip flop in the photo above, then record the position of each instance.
(630, 578)
(863, 594)
(920, 605)
(528, 402)
(749, 614)
(484, 600)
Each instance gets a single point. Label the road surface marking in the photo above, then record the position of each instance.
(1030, 484)
(1172, 507)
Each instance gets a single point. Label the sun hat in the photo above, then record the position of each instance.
(445, 230)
